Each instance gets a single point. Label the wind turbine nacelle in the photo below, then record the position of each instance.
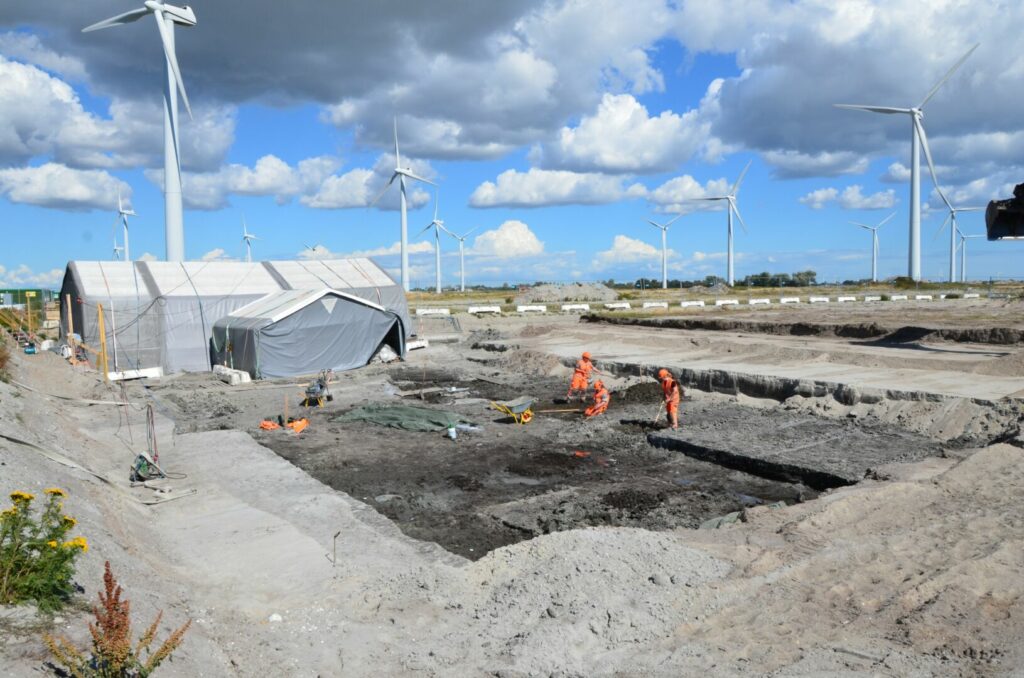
(183, 16)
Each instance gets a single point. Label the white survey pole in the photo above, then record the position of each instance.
(173, 220)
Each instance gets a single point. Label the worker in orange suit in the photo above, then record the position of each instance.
(602, 399)
(581, 376)
(673, 394)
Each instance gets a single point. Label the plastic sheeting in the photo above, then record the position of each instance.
(290, 333)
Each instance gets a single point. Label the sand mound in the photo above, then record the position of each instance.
(533, 363)
(573, 292)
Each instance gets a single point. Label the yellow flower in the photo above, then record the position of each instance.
(9, 513)
(77, 542)
(69, 522)
(22, 496)
(56, 492)
(52, 544)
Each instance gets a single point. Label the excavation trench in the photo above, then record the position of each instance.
(505, 483)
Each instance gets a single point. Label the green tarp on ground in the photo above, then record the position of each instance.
(404, 417)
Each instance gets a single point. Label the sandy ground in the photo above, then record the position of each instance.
(913, 571)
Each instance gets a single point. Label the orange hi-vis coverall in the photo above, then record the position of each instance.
(581, 376)
(670, 388)
(602, 399)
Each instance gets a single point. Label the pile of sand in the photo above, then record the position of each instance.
(573, 292)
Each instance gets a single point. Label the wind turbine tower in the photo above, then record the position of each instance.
(401, 173)
(247, 238)
(731, 208)
(918, 140)
(122, 215)
(963, 253)
(166, 16)
(664, 247)
(462, 255)
(874, 243)
(438, 226)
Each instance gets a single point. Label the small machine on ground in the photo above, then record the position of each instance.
(519, 409)
(319, 390)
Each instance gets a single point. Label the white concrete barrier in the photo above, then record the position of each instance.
(475, 310)
(417, 344)
(433, 311)
(727, 302)
(754, 302)
(872, 297)
(898, 297)
(230, 376)
(942, 296)
(655, 304)
(817, 300)
(923, 297)
(972, 295)
(842, 300)
(619, 305)
(688, 304)
(789, 300)
(538, 308)
(570, 308)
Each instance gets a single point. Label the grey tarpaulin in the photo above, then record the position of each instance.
(295, 332)
(161, 314)
(407, 417)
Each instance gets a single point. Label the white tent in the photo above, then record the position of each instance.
(161, 314)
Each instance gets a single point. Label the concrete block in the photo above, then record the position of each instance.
(727, 302)
(418, 343)
(845, 299)
(475, 310)
(872, 297)
(539, 308)
(789, 300)
(231, 376)
(763, 300)
(923, 297)
(687, 304)
(655, 304)
(619, 305)
(972, 295)
(433, 311)
(575, 308)
(898, 297)
(817, 300)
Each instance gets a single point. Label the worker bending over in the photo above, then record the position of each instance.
(602, 399)
(581, 377)
(673, 392)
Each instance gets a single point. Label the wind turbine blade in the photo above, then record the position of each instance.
(928, 156)
(447, 231)
(948, 75)
(437, 200)
(857, 223)
(736, 186)
(736, 211)
(969, 209)
(673, 220)
(120, 207)
(385, 190)
(125, 18)
(717, 197)
(425, 229)
(172, 58)
(416, 177)
(874, 109)
(466, 234)
(882, 222)
(398, 158)
(942, 227)
(656, 224)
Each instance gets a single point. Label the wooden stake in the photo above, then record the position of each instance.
(71, 330)
(101, 326)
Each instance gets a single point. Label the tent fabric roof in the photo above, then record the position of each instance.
(335, 274)
(105, 278)
(209, 278)
(279, 305)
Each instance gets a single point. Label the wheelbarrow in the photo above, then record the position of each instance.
(519, 409)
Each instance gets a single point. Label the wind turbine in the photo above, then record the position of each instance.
(874, 243)
(664, 247)
(918, 140)
(730, 197)
(963, 253)
(438, 226)
(123, 215)
(462, 255)
(247, 238)
(951, 219)
(401, 173)
(166, 17)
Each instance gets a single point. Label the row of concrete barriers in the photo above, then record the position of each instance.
(625, 305)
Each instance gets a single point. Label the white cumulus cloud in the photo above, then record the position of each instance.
(511, 240)
(850, 198)
(538, 188)
(626, 250)
(57, 186)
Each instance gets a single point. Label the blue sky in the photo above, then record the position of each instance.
(554, 128)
